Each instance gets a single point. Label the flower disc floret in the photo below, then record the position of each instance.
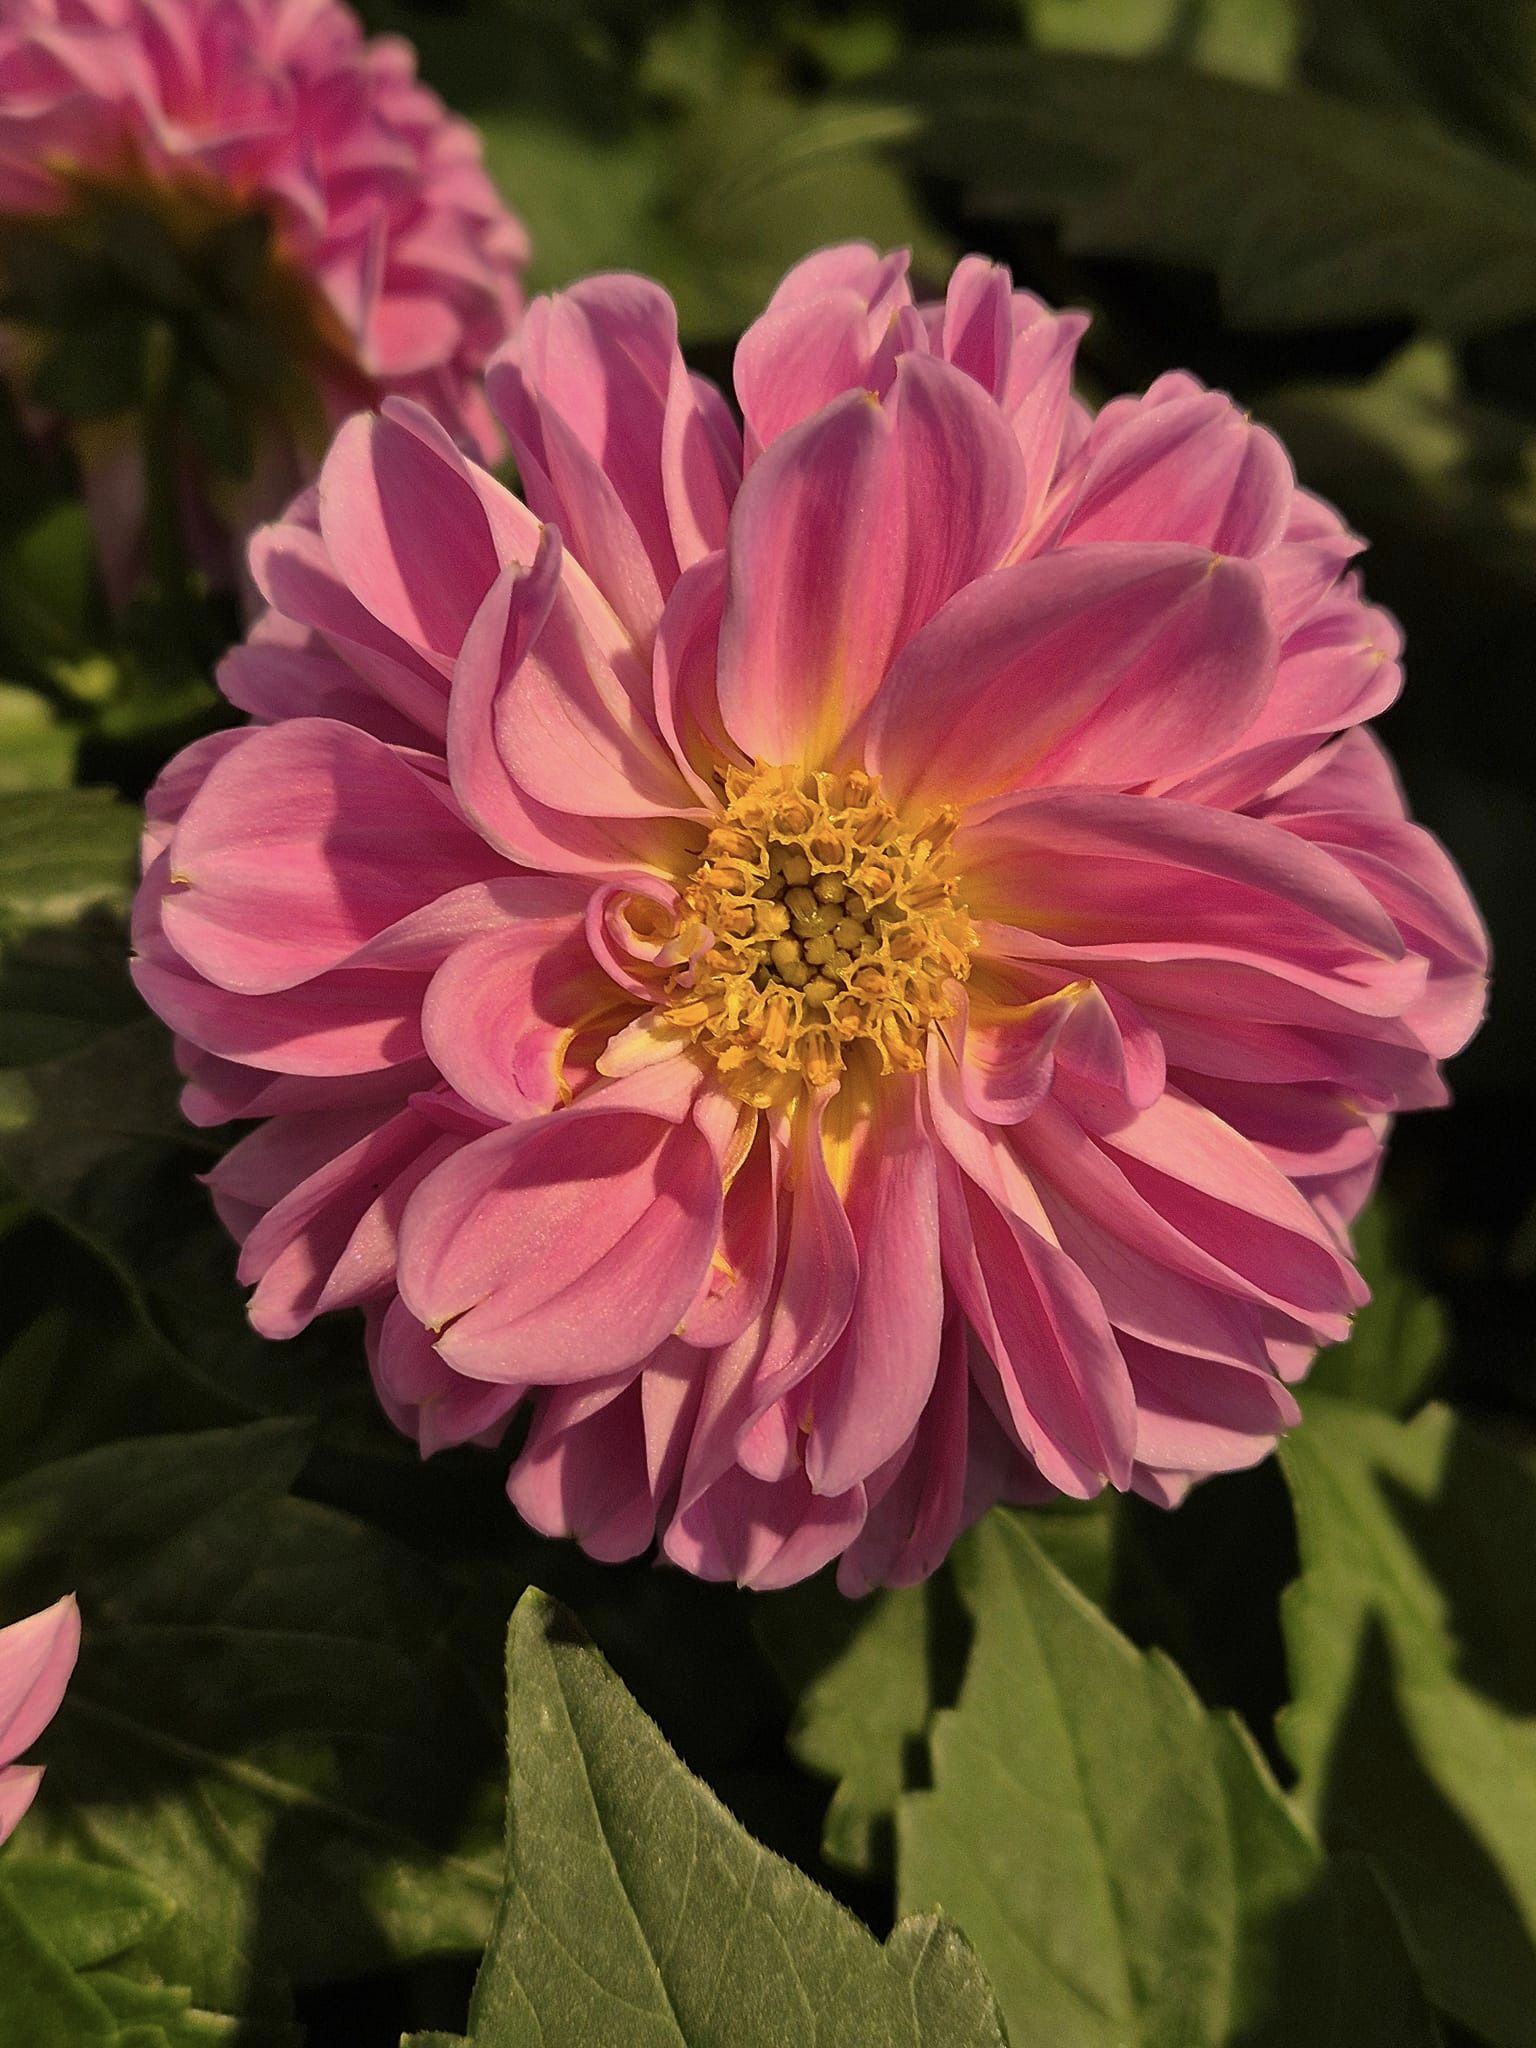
(831, 925)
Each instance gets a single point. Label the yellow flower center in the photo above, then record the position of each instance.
(832, 923)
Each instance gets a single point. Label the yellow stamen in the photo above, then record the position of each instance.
(833, 924)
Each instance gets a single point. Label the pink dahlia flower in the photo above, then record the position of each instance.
(395, 268)
(852, 969)
(36, 1658)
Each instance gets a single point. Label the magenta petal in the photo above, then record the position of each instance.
(563, 1248)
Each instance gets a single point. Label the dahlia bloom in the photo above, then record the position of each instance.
(36, 1658)
(850, 969)
(394, 265)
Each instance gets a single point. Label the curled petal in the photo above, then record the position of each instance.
(569, 1246)
(502, 1010)
(420, 1392)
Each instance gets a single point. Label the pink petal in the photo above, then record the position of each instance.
(1097, 876)
(813, 581)
(502, 1010)
(918, 1501)
(37, 1656)
(1196, 1416)
(1189, 468)
(566, 1247)
(295, 573)
(421, 1394)
(495, 649)
(870, 1389)
(796, 358)
(19, 1786)
(805, 1314)
(583, 391)
(288, 859)
(685, 664)
(290, 672)
(1104, 665)
(763, 1535)
(742, 1271)
(411, 532)
(852, 530)
(1004, 1038)
(573, 738)
(328, 1238)
(1183, 1187)
(1061, 1382)
(587, 1478)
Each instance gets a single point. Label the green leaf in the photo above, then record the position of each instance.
(1309, 210)
(89, 1914)
(1446, 483)
(59, 1924)
(636, 1913)
(274, 1723)
(1473, 65)
(868, 1675)
(63, 852)
(60, 1119)
(1251, 39)
(1122, 1860)
(42, 2001)
(61, 987)
(1412, 1641)
(715, 196)
(1397, 1340)
(37, 751)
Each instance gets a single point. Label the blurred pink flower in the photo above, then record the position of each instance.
(855, 992)
(36, 1658)
(397, 267)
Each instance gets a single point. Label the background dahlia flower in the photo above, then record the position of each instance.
(857, 967)
(36, 1658)
(245, 212)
